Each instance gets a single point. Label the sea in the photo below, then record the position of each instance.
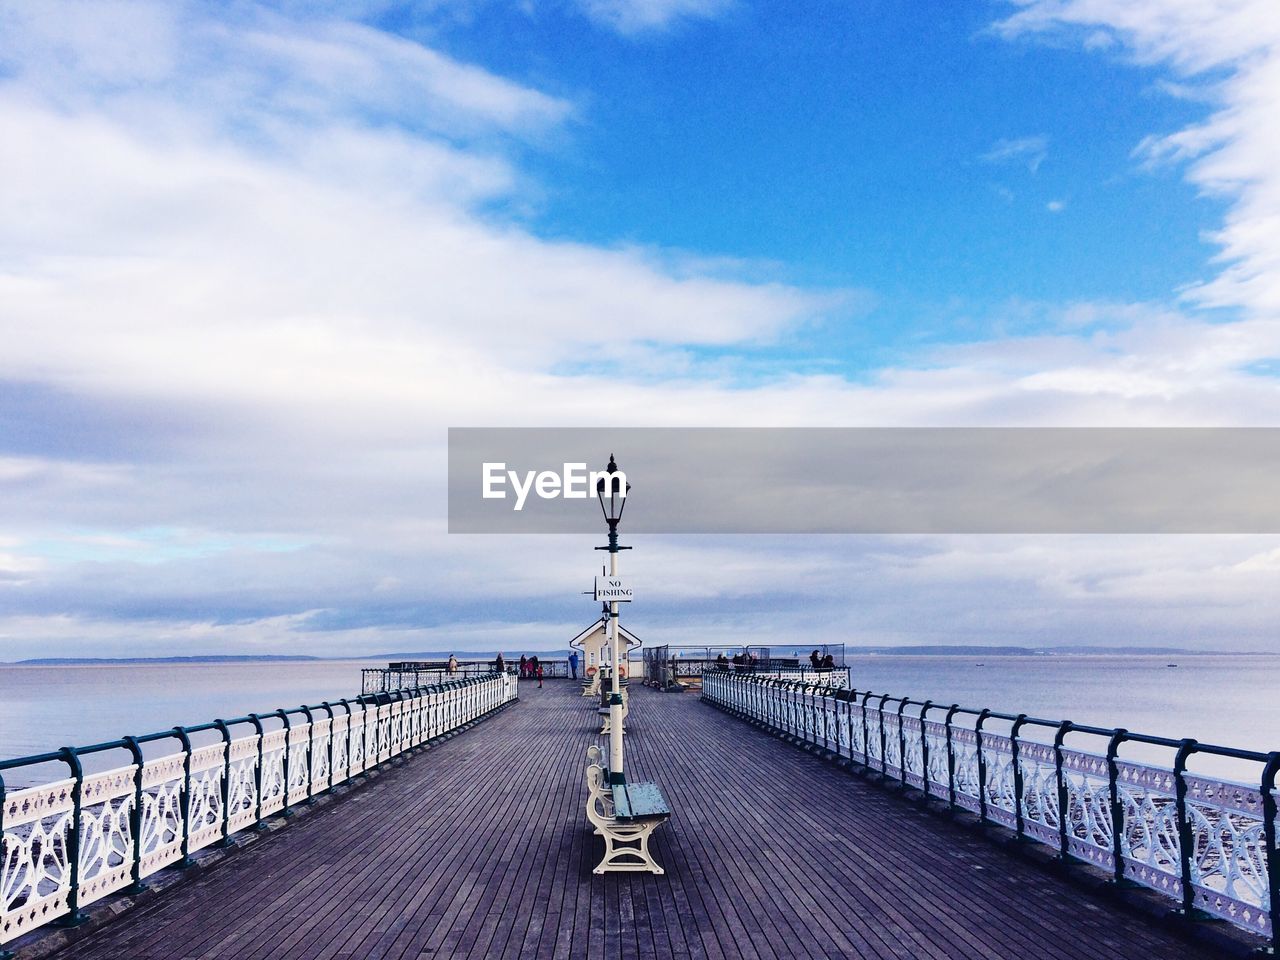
(1233, 700)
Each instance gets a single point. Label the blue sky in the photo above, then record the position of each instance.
(256, 258)
(848, 148)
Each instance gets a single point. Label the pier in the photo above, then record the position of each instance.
(477, 847)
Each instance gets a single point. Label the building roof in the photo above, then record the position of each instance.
(627, 635)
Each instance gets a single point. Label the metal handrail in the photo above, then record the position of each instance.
(1208, 843)
(67, 843)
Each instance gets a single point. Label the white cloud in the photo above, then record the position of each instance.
(1230, 50)
(1030, 151)
(1056, 206)
(147, 62)
(640, 16)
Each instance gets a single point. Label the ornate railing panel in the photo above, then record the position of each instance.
(161, 841)
(70, 842)
(1037, 800)
(935, 745)
(106, 824)
(1209, 844)
(965, 785)
(242, 792)
(272, 786)
(1000, 785)
(35, 874)
(1090, 831)
(205, 812)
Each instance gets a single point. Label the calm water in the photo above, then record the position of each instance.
(1232, 700)
(43, 708)
(1227, 700)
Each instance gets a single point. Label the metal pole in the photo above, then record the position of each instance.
(615, 700)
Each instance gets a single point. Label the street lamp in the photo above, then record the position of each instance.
(613, 500)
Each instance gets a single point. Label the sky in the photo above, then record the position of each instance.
(257, 258)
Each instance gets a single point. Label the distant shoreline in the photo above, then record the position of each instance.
(937, 650)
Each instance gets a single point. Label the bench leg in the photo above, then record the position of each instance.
(626, 845)
(626, 848)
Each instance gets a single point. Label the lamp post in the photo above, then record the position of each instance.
(613, 500)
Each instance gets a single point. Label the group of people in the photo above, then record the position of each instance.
(746, 661)
(740, 661)
(819, 662)
(531, 669)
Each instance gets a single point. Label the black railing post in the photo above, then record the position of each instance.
(75, 832)
(1018, 786)
(1186, 837)
(884, 742)
(1268, 784)
(256, 720)
(184, 801)
(311, 771)
(346, 769)
(828, 705)
(328, 708)
(1064, 799)
(902, 743)
(4, 954)
(866, 732)
(924, 747)
(1117, 808)
(845, 728)
(951, 759)
(982, 764)
(226, 783)
(135, 815)
(288, 749)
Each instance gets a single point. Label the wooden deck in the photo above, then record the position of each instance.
(479, 849)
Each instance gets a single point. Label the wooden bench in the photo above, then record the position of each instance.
(625, 815)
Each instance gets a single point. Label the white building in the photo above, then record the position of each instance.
(594, 646)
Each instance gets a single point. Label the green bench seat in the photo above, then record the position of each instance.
(639, 801)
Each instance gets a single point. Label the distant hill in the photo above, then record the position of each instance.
(961, 650)
(72, 661)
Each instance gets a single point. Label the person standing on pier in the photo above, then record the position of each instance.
(573, 664)
(524, 666)
(453, 665)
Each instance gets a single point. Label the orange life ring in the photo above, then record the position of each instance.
(591, 671)
(622, 670)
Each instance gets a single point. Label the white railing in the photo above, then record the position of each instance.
(1207, 843)
(67, 843)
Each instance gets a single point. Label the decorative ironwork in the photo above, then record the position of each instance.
(68, 843)
(1209, 844)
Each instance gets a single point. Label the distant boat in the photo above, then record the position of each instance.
(1170, 664)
